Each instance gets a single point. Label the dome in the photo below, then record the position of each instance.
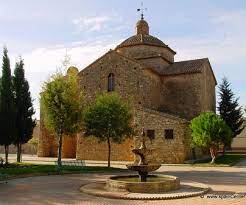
(142, 22)
(135, 46)
(142, 39)
(142, 27)
(72, 70)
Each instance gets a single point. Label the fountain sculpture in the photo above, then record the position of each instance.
(143, 168)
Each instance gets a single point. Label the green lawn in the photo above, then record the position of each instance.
(227, 160)
(16, 169)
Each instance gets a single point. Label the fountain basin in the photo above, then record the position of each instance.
(143, 168)
(154, 184)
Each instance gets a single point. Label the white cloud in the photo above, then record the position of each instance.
(224, 42)
(220, 51)
(232, 18)
(95, 23)
(110, 23)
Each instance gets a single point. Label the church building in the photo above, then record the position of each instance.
(165, 95)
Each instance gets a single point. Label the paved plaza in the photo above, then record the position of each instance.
(225, 182)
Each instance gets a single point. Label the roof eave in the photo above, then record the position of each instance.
(146, 44)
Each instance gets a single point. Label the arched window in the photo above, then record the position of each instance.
(111, 82)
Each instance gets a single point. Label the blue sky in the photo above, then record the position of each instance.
(43, 31)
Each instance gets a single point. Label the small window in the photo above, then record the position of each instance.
(111, 82)
(151, 134)
(168, 134)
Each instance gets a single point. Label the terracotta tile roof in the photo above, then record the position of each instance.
(182, 67)
(143, 39)
(164, 114)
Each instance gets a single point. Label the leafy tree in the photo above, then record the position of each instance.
(209, 131)
(7, 107)
(229, 110)
(24, 108)
(108, 119)
(61, 104)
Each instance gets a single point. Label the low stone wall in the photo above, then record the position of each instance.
(26, 149)
(162, 183)
(175, 150)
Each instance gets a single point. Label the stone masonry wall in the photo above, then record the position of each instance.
(165, 150)
(89, 148)
(131, 82)
(208, 90)
(182, 94)
(155, 62)
(47, 144)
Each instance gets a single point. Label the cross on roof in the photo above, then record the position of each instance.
(142, 9)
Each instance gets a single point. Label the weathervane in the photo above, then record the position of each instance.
(142, 9)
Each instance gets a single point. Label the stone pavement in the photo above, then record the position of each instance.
(28, 158)
(242, 164)
(225, 182)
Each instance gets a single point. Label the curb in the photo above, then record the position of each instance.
(101, 192)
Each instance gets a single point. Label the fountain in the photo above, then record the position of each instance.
(143, 168)
(143, 182)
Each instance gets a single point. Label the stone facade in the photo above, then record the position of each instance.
(164, 95)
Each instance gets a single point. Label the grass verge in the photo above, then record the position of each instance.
(226, 160)
(18, 169)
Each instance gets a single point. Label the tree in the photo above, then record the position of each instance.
(62, 104)
(7, 107)
(229, 110)
(24, 108)
(209, 131)
(108, 119)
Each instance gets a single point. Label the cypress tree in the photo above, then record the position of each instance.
(24, 108)
(7, 107)
(229, 109)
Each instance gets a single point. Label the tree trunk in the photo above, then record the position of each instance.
(6, 147)
(223, 150)
(213, 152)
(59, 163)
(19, 152)
(109, 151)
(193, 153)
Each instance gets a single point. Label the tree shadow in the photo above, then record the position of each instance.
(214, 177)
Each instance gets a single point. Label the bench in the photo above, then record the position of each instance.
(1, 162)
(3, 178)
(72, 163)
